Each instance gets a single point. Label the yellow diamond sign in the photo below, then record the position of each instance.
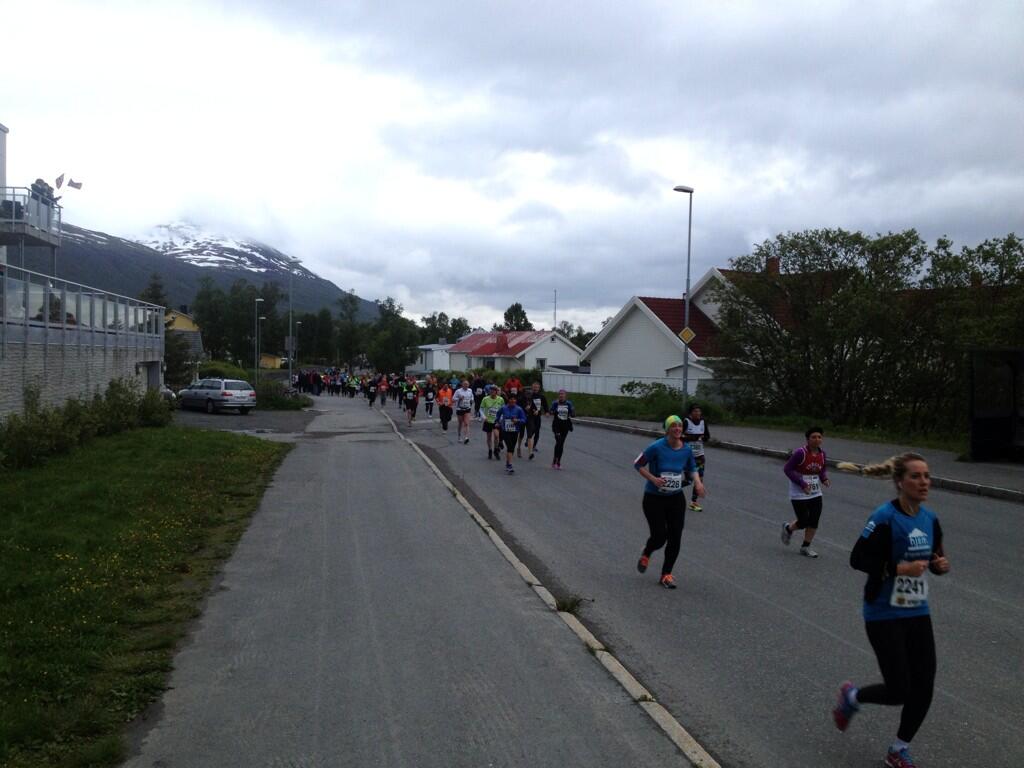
(687, 335)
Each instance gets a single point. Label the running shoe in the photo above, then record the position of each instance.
(844, 710)
(642, 563)
(695, 507)
(808, 552)
(466, 441)
(787, 535)
(667, 581)
(901, 759)
(490, 454)
(558, 465)
(509, 470)
(531, 456)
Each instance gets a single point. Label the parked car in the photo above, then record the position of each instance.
(219, 394)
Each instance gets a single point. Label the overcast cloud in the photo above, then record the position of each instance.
(462, 156)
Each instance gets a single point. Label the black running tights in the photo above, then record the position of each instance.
(560, 444)
(906, 656)
(666, 516)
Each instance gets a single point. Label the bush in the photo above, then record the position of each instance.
(272, 396)
(29, 438)
(218, 369)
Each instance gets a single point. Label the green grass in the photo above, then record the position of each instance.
(101, 569)
(656, 409)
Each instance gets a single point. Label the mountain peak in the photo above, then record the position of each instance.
(194, 244)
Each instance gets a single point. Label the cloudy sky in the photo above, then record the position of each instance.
(460, 156)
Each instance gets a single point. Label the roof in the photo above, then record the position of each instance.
(498, 343)
(672, 312)
(195, 343)
(435, 347)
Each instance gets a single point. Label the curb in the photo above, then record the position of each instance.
(947, 483)
(697, 756)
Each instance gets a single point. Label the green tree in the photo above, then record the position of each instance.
(811, 323)
(393, 340)
(458, 328)
(351, 334)
(154, 292)
(210, 311)
(516, 319)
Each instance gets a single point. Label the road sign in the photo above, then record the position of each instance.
(687, 335)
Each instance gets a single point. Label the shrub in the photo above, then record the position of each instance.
(30, 437)
(272, 395)
(218, 369)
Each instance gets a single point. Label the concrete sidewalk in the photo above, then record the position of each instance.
(1001, 481)
(365, 619)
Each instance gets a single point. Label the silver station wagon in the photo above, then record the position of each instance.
(218, 395)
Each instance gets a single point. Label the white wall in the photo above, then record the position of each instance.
(609, 385)
(557, 353)
(636, 348)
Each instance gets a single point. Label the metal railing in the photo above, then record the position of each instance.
(38, 308)
(33, 209)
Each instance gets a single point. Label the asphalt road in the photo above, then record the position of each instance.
(749, 651)
(366, 620)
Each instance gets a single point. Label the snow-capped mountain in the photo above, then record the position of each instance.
(192, 244)
(184, 254)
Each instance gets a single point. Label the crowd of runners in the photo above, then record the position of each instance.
(900, 544)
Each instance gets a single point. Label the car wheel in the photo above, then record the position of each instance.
(209, 406)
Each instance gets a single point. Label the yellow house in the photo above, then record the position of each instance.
(179, 321)
(268, 360)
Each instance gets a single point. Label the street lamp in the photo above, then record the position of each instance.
(295, 341)
(292, 345)
(256, 340)
(258, 345)
(686, 311)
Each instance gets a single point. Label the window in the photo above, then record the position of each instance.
(542, 362)
(489, 364)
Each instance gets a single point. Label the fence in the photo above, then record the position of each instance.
(591, 384)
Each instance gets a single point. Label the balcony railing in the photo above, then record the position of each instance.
(25, 211)
(38, 308)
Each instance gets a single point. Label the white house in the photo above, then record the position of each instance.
(513, 350)
(432, 357)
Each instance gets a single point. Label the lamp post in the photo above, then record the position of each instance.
(295, 341)
(292, 341)
(686, 311)
(259, 349)
(256, 340)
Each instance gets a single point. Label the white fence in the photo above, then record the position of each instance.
(591, 384)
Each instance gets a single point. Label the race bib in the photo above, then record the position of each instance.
(409, 396)
(430, 395)
(813, 485)
(673, 482)
(478, 391)
(493, 411)
(563, 412)
(697, 448)
(513, 391)
(909, 591)
(509, 425)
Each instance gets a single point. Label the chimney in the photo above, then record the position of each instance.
(502, 347)
(771, 266)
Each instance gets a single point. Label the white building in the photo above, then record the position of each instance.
(513, 350)
(432, 357)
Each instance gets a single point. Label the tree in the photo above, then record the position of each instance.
(209, 309)
(516, 319)
(811, 324)
(154, 292)
(394, 338)
(351, 334)
(575, 333)
(458, 328)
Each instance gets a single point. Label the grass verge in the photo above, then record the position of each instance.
(101, 569)
(656, 409)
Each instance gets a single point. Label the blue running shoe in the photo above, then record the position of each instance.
(845, 709)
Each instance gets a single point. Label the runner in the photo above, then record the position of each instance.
(463, 399)
(664, 464)
(561, 425)
(429, 393)
(490, 405)
(371, 392)
(479, 389)
(511, 420)
(696, 433)
(444, 405)
(901, 540)
(806, 470)
(411, 395)
(536, 406)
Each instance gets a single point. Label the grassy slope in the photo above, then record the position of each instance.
(104, 557)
